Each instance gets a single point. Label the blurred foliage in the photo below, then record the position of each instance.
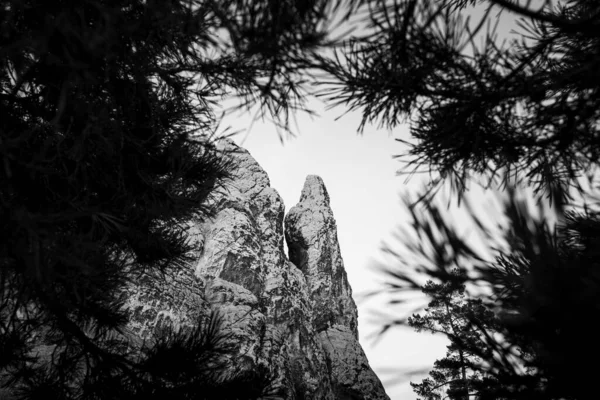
(513, 113)
(528, 319)
(524, 109)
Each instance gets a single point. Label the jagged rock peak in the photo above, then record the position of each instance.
(246, 174)
(311, 235)
(297, 325)
(313, 246)
(314, 191)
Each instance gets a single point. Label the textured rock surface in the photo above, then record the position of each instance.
(293, 317)
(296, 316)
(311, 234)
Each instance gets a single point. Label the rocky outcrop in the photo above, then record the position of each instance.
(311, 234)
(294, 318)
(243, 251)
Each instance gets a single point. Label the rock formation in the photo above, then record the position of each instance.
(292, 317)
(311, 234)
(295, 317)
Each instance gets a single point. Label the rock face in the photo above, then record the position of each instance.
(311, 234)
(292, 317)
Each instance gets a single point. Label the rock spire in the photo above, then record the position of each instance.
(294, 318)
